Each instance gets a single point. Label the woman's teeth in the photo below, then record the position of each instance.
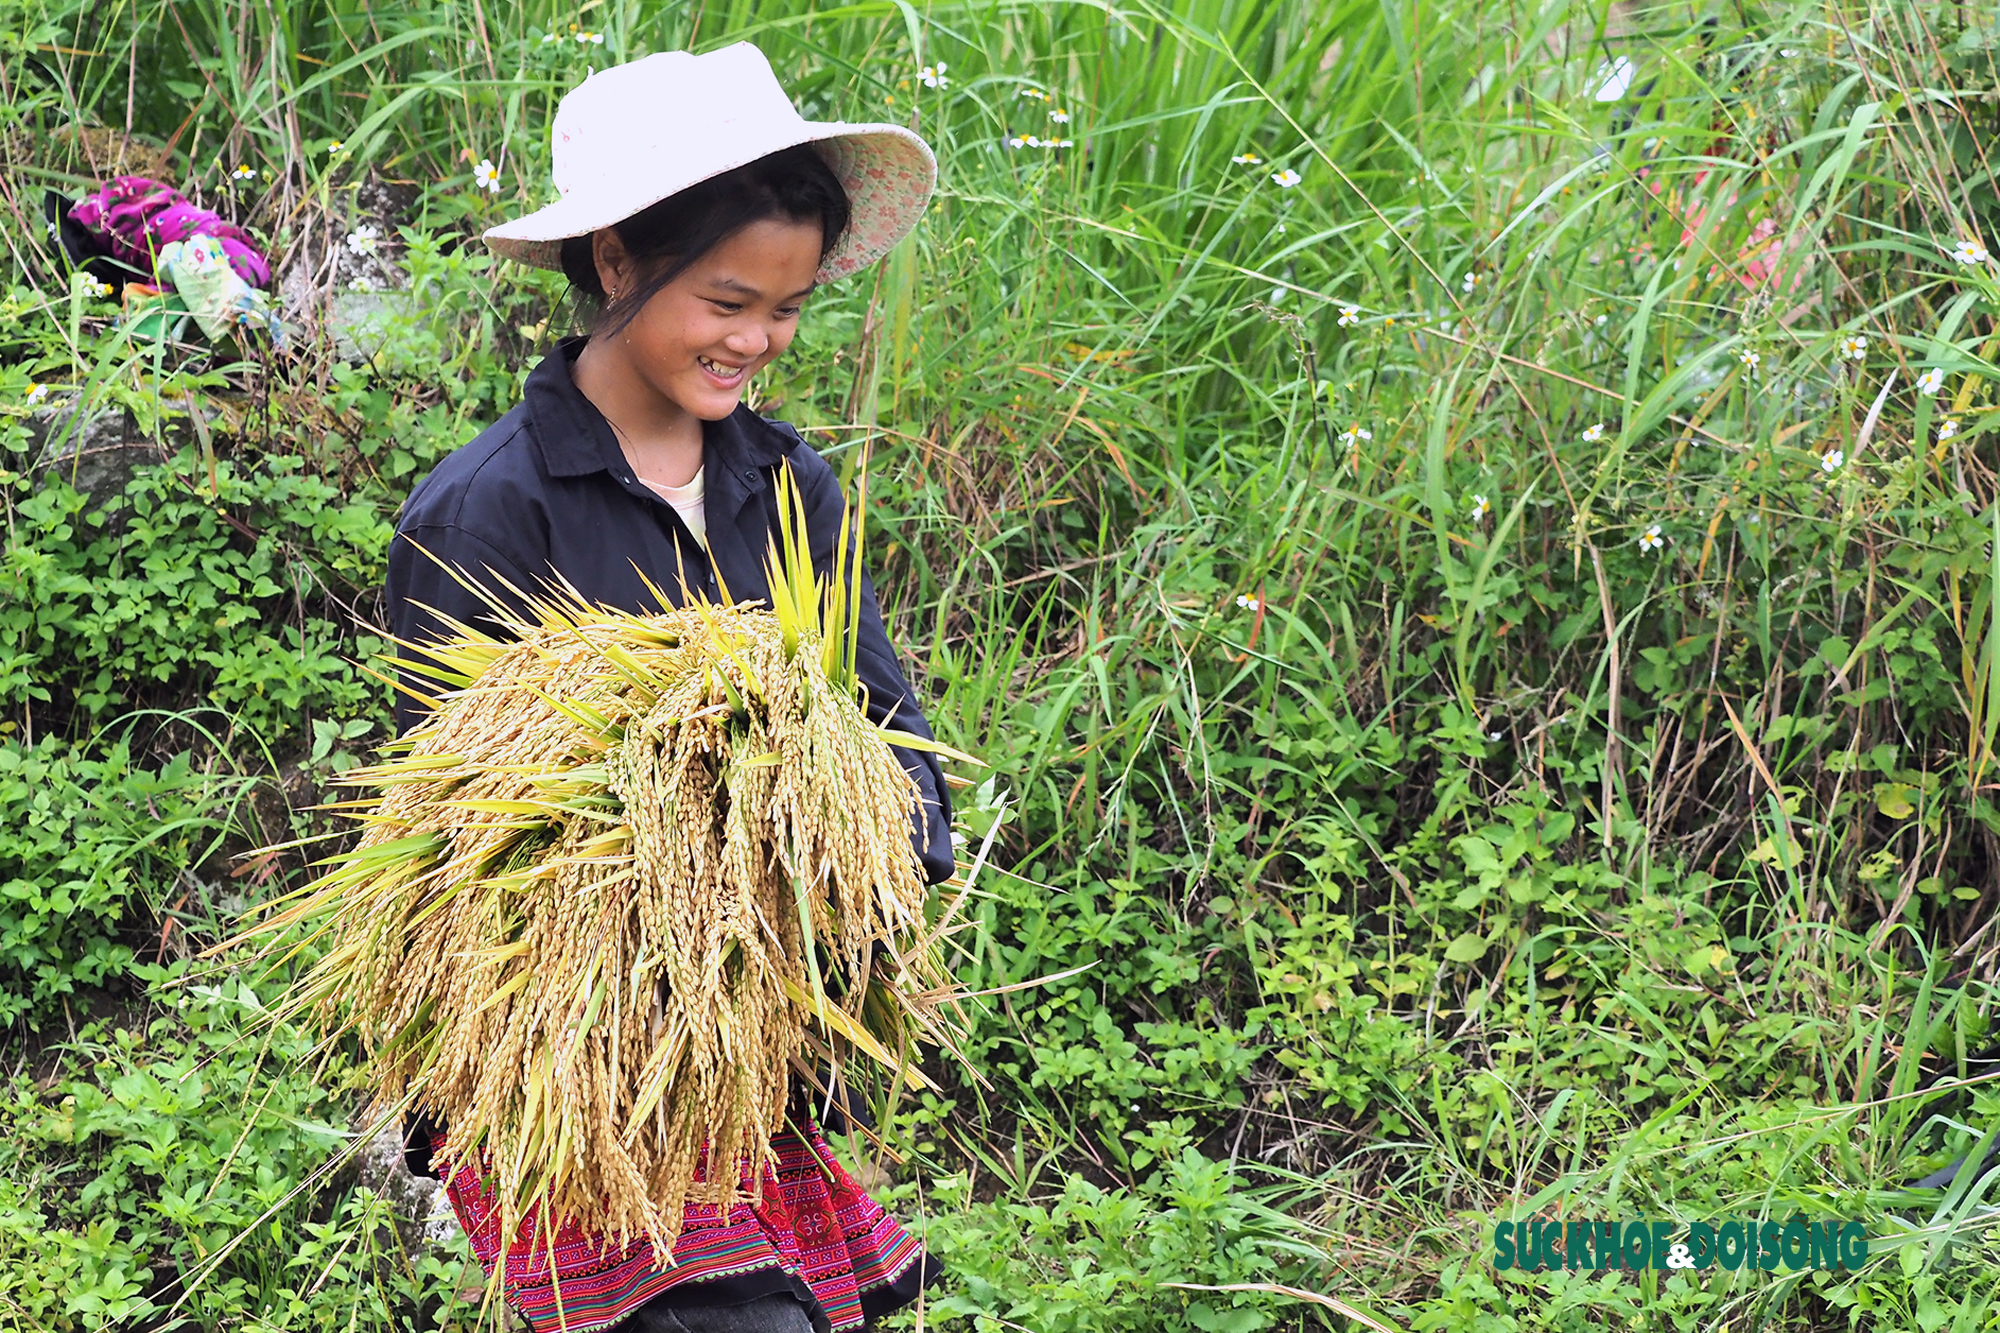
(719, 370)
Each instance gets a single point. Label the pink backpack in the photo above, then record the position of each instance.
(137, 218)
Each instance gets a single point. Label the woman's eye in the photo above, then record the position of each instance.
(726, 307)
(789, 312)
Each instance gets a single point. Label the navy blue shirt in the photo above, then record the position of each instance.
(546, 492)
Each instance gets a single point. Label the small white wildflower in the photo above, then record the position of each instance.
(486, 176)
(243, 173)
(1601, 319)
(550, 39)
(1354, 435)
(1593, 433)
(1969, 252)
(1930, 381)
(1285, 179)
(1480, 508)
(1854, 347)
(1246, 159)
(361, 283)
(932, 76)
(37, 393)
(590, 39)
(100, 290)
(1059, 116)
(1832, 461)
(1470, 281)
(1651, 540)
(334, 147)
(1058, 143)
(1032, 141)
(1948, 429)
(1492, 735)
(1751, 360)
(1035, 93)
(1350, 315)
(1015, 141)
(363, 238)
(1247, 602)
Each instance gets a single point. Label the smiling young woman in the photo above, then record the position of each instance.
(632, 471)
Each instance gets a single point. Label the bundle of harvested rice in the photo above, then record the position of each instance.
(630, 869)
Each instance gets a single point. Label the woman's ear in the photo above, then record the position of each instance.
(612, 261)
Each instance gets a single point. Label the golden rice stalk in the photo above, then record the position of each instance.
(614, 885)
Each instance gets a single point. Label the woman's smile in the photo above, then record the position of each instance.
(722, 373)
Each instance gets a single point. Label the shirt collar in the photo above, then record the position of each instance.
(576, 440)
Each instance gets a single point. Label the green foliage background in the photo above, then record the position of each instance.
(1486, 651)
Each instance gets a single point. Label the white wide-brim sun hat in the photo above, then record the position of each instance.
(629, 136)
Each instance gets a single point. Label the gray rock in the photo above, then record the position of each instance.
(423, 1213)
(99, 454)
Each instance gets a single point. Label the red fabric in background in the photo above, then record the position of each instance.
(136, 218)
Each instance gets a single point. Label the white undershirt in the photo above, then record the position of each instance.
(688, 502)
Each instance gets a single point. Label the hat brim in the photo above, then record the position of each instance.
(887, 171)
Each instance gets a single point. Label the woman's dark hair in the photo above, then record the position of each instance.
(794, 184)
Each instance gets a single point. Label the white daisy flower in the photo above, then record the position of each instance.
(590, 39)
(550, 39)
(1751, 360)
(1969, 252)
(1350, 315)
(363, 238)
(1059, 143)
(1354, 435)
(1832, 461)
(37, 392)
(1480, 508)
(1854, 346)
(334, 147)
(1246, 159)
(1035, 93)
(1286, 179)
(243, 173)
(1032, 141)
(1470, 281)
(100, 290)
(1059, 116)
(1246, 602)
(1948, 429)
(1651, 540)
(932, 76)
(486, 176)
(1593, 433)
(1015, 141)
(1930, 381)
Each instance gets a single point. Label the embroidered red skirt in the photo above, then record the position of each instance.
(815, 1224)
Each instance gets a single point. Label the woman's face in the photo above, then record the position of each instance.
(701, 337)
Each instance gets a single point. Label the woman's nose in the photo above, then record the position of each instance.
(749, 341)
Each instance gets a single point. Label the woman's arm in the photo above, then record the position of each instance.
(889, 695)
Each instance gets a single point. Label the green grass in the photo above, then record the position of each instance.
(1496, 860)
